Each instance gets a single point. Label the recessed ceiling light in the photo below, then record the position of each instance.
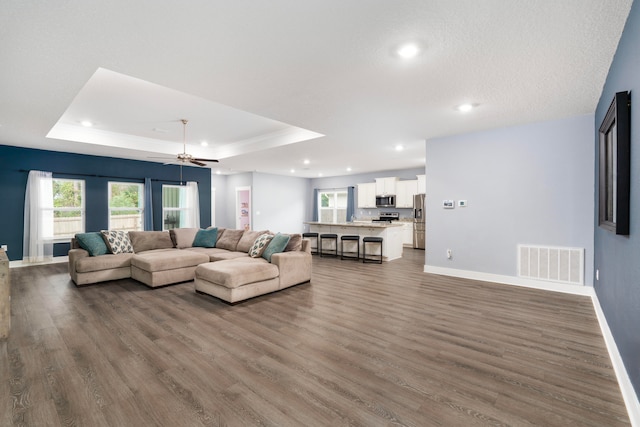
(320, 174)
(217, 172)
(349, 169)
(399, 147)
(86, 123)
(465, 108)
(408, 50)
(292, 171)
(204, 143)
(306, 161)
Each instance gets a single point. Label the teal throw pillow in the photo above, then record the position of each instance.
(206, 238)
(277, 244)
(92, 243)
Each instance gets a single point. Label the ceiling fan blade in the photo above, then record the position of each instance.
(196, 162)
(206, 160)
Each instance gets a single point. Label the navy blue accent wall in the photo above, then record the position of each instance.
(616, 257)
(16, 162)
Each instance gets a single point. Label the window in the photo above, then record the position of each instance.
(615, 166)
(68, 208)
(173, 207)
(126, 206)
(332, 206)
(180, 206)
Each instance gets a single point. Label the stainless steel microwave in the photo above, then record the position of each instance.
(386, 201)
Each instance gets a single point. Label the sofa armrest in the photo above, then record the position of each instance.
(74, 256)
(294, 267)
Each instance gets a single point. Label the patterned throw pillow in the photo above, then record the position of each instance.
(260, 245)
(118, 241)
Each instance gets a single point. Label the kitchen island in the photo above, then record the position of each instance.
(391, 234)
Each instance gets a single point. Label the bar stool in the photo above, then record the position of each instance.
(328, 236)
(364, 249)
(349, 238)
(312, 236)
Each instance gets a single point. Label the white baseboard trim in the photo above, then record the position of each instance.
(626, 387)
(510, 280)
(628, 392)
(54, 260)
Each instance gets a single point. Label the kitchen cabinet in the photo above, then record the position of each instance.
(386, 186)
(367, 195)
(422, 184)
(405, 190)
(407, 234)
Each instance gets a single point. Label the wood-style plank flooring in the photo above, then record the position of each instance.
(362, 345)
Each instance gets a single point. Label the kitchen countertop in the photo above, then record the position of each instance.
(359, 224)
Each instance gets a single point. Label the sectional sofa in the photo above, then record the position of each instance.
(229, 264)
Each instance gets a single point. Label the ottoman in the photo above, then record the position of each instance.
(237, 279)
(161, 267)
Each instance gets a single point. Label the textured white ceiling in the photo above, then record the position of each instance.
(326, 66)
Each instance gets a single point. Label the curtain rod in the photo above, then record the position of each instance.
(109, 176)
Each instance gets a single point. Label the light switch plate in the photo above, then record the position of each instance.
(448, 204)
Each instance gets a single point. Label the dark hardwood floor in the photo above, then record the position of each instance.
(365, 345)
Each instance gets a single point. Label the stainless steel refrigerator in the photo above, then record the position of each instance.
(418, 221)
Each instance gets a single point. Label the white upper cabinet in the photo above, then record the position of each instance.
(385, 186)
(405, 190)
(422, 184)
(367, 195)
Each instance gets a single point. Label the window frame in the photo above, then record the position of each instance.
(614, 166)
(140, 208)
(81, 208)
(336, 207)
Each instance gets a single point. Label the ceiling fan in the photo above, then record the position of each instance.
(185, 157)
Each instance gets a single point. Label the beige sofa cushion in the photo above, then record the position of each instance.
(103, 262)
(167, 259)
(183, 237)
(149, 240)
(295, 243)
(229, 239)
(248, 239)
(221, 256)
(236, 273)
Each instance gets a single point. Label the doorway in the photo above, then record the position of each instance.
(243, 208)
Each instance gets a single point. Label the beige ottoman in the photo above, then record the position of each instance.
(237, 279)
(161, 267)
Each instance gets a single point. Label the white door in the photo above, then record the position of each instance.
(243, 208)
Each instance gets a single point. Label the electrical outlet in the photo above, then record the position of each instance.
(449, 253)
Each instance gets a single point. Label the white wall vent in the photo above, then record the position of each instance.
(555, 264)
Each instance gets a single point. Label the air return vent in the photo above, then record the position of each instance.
(555, 264)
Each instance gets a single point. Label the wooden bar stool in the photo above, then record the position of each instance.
(312, 236)
(328, 252)
(350, 238)
(370, 240)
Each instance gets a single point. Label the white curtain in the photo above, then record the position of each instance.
(192, 204)
(38, 218)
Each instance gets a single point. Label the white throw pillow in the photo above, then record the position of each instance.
(260, 245)
(117, 241)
